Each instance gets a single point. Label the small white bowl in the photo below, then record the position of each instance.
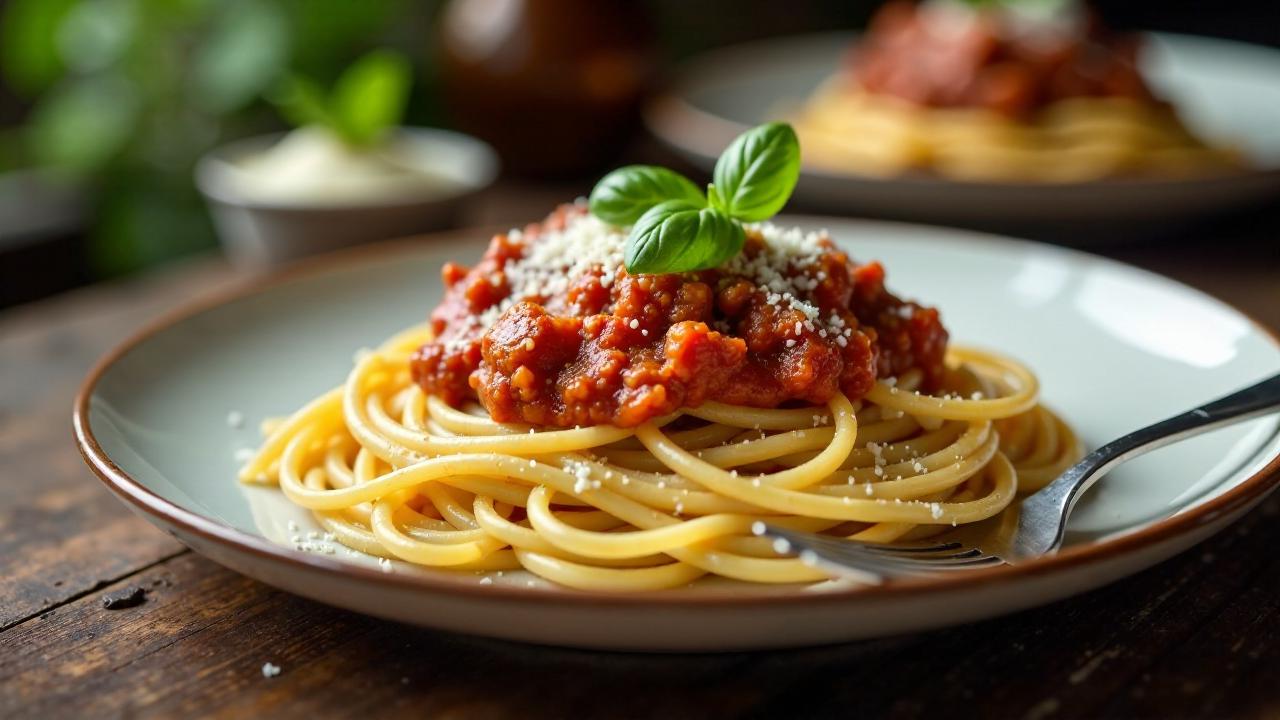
(261, 230)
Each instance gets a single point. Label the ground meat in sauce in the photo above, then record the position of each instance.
(626, 351)
(976, 59)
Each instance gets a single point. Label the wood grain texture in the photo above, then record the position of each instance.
(1196, 636)
(61, 533)
(1198, 632)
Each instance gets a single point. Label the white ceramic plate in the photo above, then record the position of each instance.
(1226, 91)
(1116, 348)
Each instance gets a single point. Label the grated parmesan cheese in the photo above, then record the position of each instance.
(787, 268)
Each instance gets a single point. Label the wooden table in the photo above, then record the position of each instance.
(1196, 636)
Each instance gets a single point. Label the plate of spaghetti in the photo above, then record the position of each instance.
(1013, 113)
(567, 439)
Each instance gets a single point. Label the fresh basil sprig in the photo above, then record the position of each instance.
(366, 102)
(678, 235)
(675, 228)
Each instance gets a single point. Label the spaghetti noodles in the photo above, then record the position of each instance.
(1073, 140)
(395, 471)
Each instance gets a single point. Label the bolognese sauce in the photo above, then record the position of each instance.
(948, 55)
(549, 328)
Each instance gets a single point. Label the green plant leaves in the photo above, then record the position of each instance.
(755, 175)
(680, 236)
(243, 54)
(29, 54)
(367, 101)
(96, 36)
(85, 124)
(625, 194)
(675, 228)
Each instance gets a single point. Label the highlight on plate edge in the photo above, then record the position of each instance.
(612, 397)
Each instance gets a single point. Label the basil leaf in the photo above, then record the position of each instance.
(625, 194)
(370, 96)
(714, 199)
(680, 236)
(301, 101)
(758, 171)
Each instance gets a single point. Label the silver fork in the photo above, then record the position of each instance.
(1037, 525)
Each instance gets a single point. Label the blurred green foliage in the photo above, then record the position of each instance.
(125, 95)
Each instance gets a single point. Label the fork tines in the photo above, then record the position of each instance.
(872, 563)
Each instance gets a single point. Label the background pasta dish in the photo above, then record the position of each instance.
(999, 92)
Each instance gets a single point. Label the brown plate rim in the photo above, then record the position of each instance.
(153, 505)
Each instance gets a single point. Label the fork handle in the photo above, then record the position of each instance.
(1054, 502)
